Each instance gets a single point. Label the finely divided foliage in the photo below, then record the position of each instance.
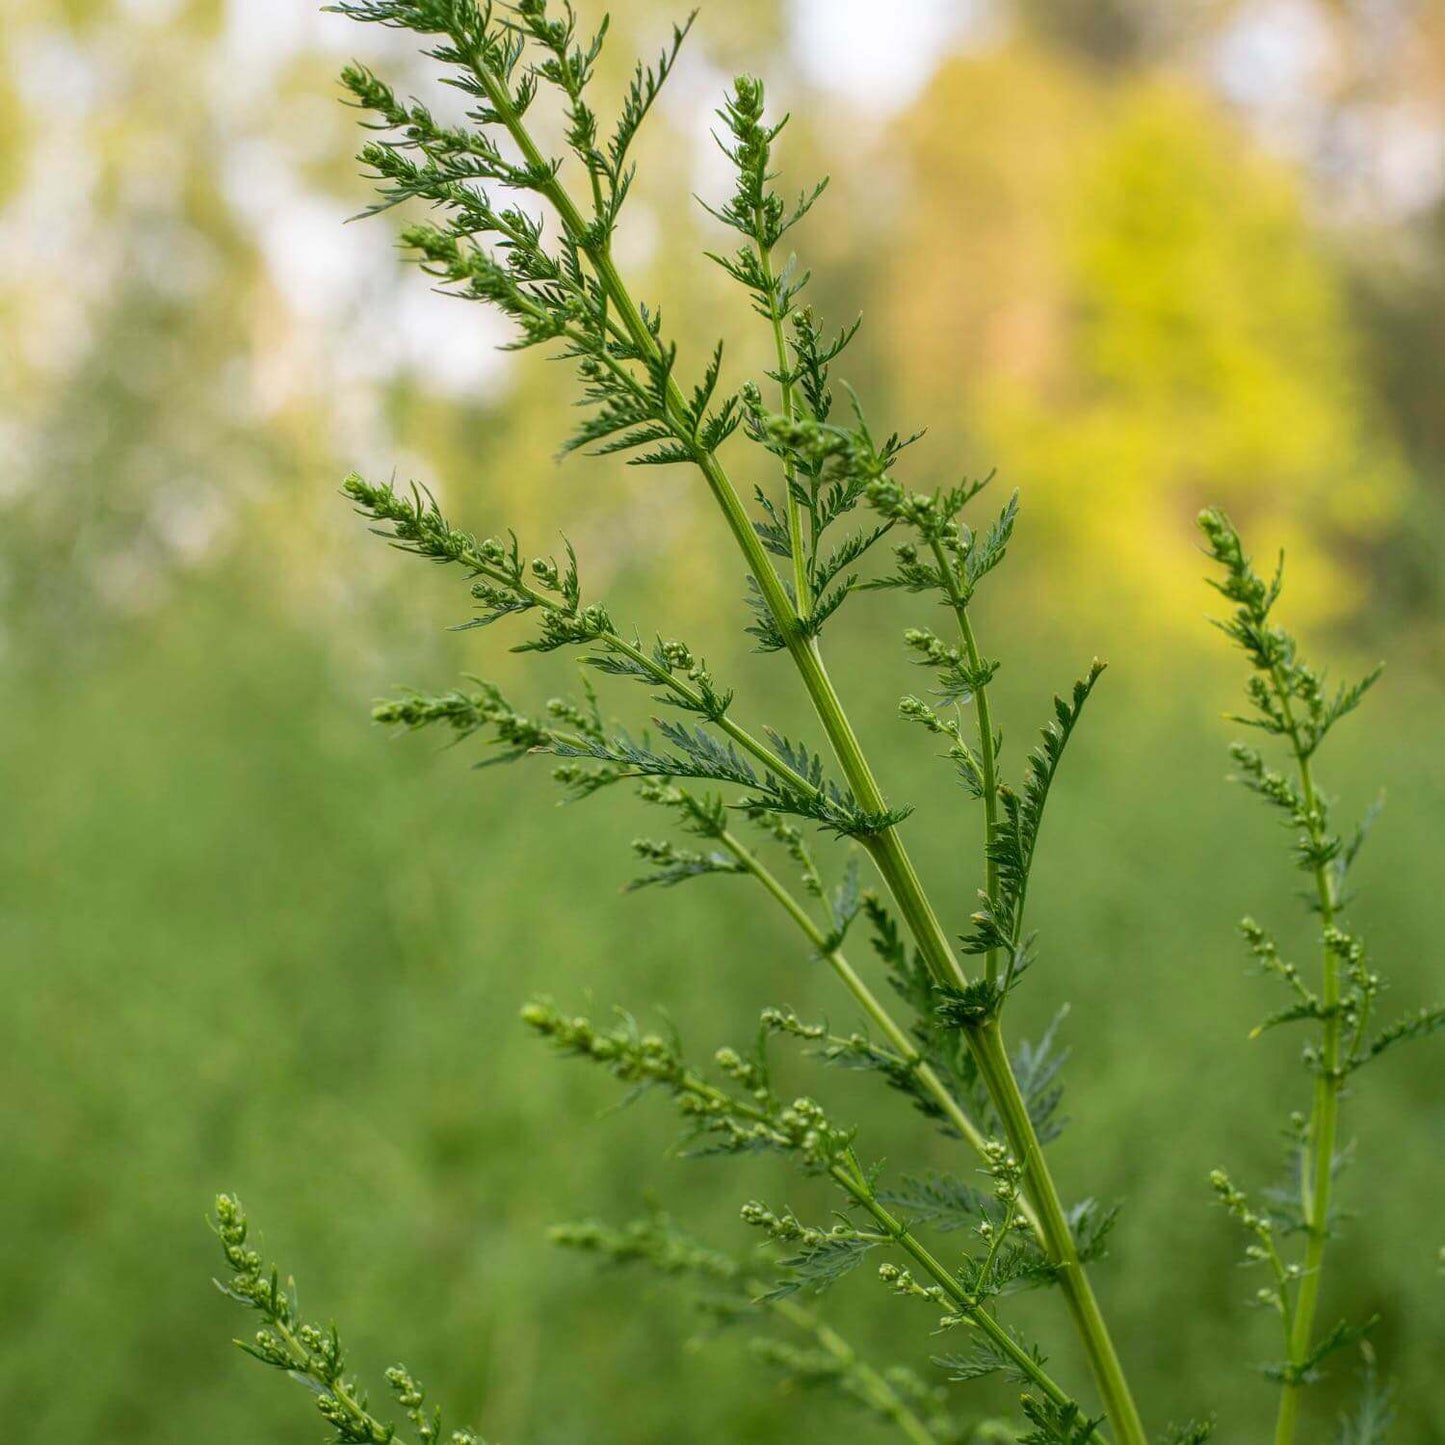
(1290, 704)
(530, 233)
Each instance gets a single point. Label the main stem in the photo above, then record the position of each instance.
(986, 1042)
(1318, 1169)
(884, 846)
(896, 867)
(801, 588)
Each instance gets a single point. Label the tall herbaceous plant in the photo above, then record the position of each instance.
(530, 233)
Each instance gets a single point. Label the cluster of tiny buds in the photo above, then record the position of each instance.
(785, 1021)
(924, 512)
(808, 1130)
(915, 709)
(559, 709)
(591, 621)
(787, 1228)
(652, 850)
(747, 96)
(348, 1426)
(679, 658)
(813, 441)
(1004, 1170)
(746, 1073)
(801, 1128)
(1237, 1203)
(321, 1347)
(903, 1283)
(632, 1057)
(929, 646)
(231, 1227)
(273, 1350)
(584, 777)
(660, 791)
(1351, 952)
(1241, 584)
(409, 1395)
(412, 1398)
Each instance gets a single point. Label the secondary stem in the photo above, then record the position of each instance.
(987, 759)
(335, 1388)
(1318, 1168)
(986, 1042)
(662, 676)
(922, 1070)
(893, 862)
(851, 1178)
(801, 586)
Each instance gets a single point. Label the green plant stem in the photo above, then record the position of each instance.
(986, 1040)
(337, 1388)
(987, 758)
(1318, 1168)
(881, 1395)
(852, 1179)
(885, 847)
(870, 1003)
(854, 1183)
(801, 586)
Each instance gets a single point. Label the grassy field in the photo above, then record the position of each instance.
(251, 944)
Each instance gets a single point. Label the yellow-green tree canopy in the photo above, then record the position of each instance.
(1116, 298)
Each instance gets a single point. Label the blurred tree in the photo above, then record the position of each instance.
(1114, 295)
(201, 350)
(1108, 32)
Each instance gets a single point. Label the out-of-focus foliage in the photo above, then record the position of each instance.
(236, 947)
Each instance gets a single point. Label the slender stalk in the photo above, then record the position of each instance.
(740, 735)
(885, 846)
(337, 1388)
(987, 1043)
(988, 1047)
(893, 862)
(871, 1004)
(853, 1181)
(802, 589)
(1317, 1169)
(851, 1178)
(987, 758)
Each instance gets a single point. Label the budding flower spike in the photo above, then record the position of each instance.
(1289, 704)
(926, 975)
(312, 1355)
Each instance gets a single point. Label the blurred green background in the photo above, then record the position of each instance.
(1136, 256)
